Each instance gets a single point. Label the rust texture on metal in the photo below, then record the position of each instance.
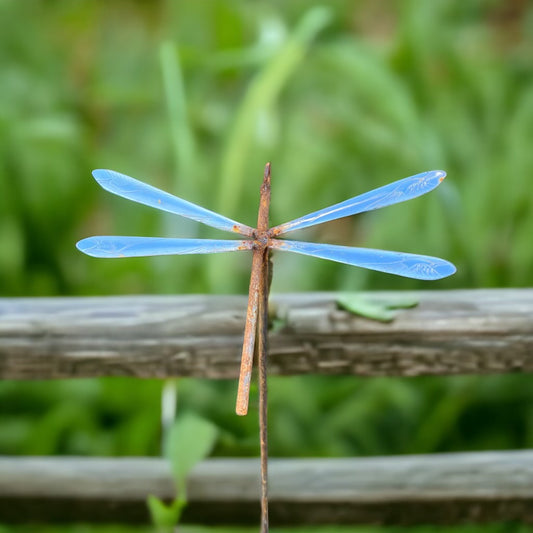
(264, 204)
(250, 328)
(242, 229)
(262, 359)
(257, 327)
(258, 288)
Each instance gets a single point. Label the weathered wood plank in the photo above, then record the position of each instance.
(444, 488)
(450, 332)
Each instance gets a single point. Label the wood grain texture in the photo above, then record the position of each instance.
(449, 332)
(444, 488)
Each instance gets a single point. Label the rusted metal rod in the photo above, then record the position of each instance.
(256, 292)
(245, 376)
(262, 356)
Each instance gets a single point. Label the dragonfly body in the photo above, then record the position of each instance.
(262, 238)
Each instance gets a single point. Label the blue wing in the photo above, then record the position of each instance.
(144, 246)
(402, 264)
(393, 193)
(142, 193)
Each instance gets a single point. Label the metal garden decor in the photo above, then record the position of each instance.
(261, 240)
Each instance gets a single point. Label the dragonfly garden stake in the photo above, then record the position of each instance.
(261, 240)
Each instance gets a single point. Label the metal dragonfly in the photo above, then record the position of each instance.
(262, 239)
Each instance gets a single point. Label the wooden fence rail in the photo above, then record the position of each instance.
(436, 489)
(451, 332)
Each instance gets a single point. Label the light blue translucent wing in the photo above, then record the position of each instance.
(402, 264)
(393, 193)
(111, 246)
(142, 193)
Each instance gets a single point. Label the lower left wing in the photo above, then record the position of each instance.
(111, 246)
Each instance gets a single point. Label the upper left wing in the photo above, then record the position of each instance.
(140, 192)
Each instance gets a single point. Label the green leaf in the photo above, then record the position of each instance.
(189, 440)
(165, 516)
(382, 311)
(277, 317)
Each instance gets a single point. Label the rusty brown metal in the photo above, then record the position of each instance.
(264, 204)
(262, 356)
(262, 343)
(257, 290)
(250, 328)
(257, 327)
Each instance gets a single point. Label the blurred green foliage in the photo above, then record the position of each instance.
(497, 528)
(194, 97)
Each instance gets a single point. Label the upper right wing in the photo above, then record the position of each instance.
(393, 193)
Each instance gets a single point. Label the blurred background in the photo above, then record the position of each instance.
(194, 98)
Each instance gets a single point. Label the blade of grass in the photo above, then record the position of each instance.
(184, 152)
(262, 93)
(259, 98)
(183, 142)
